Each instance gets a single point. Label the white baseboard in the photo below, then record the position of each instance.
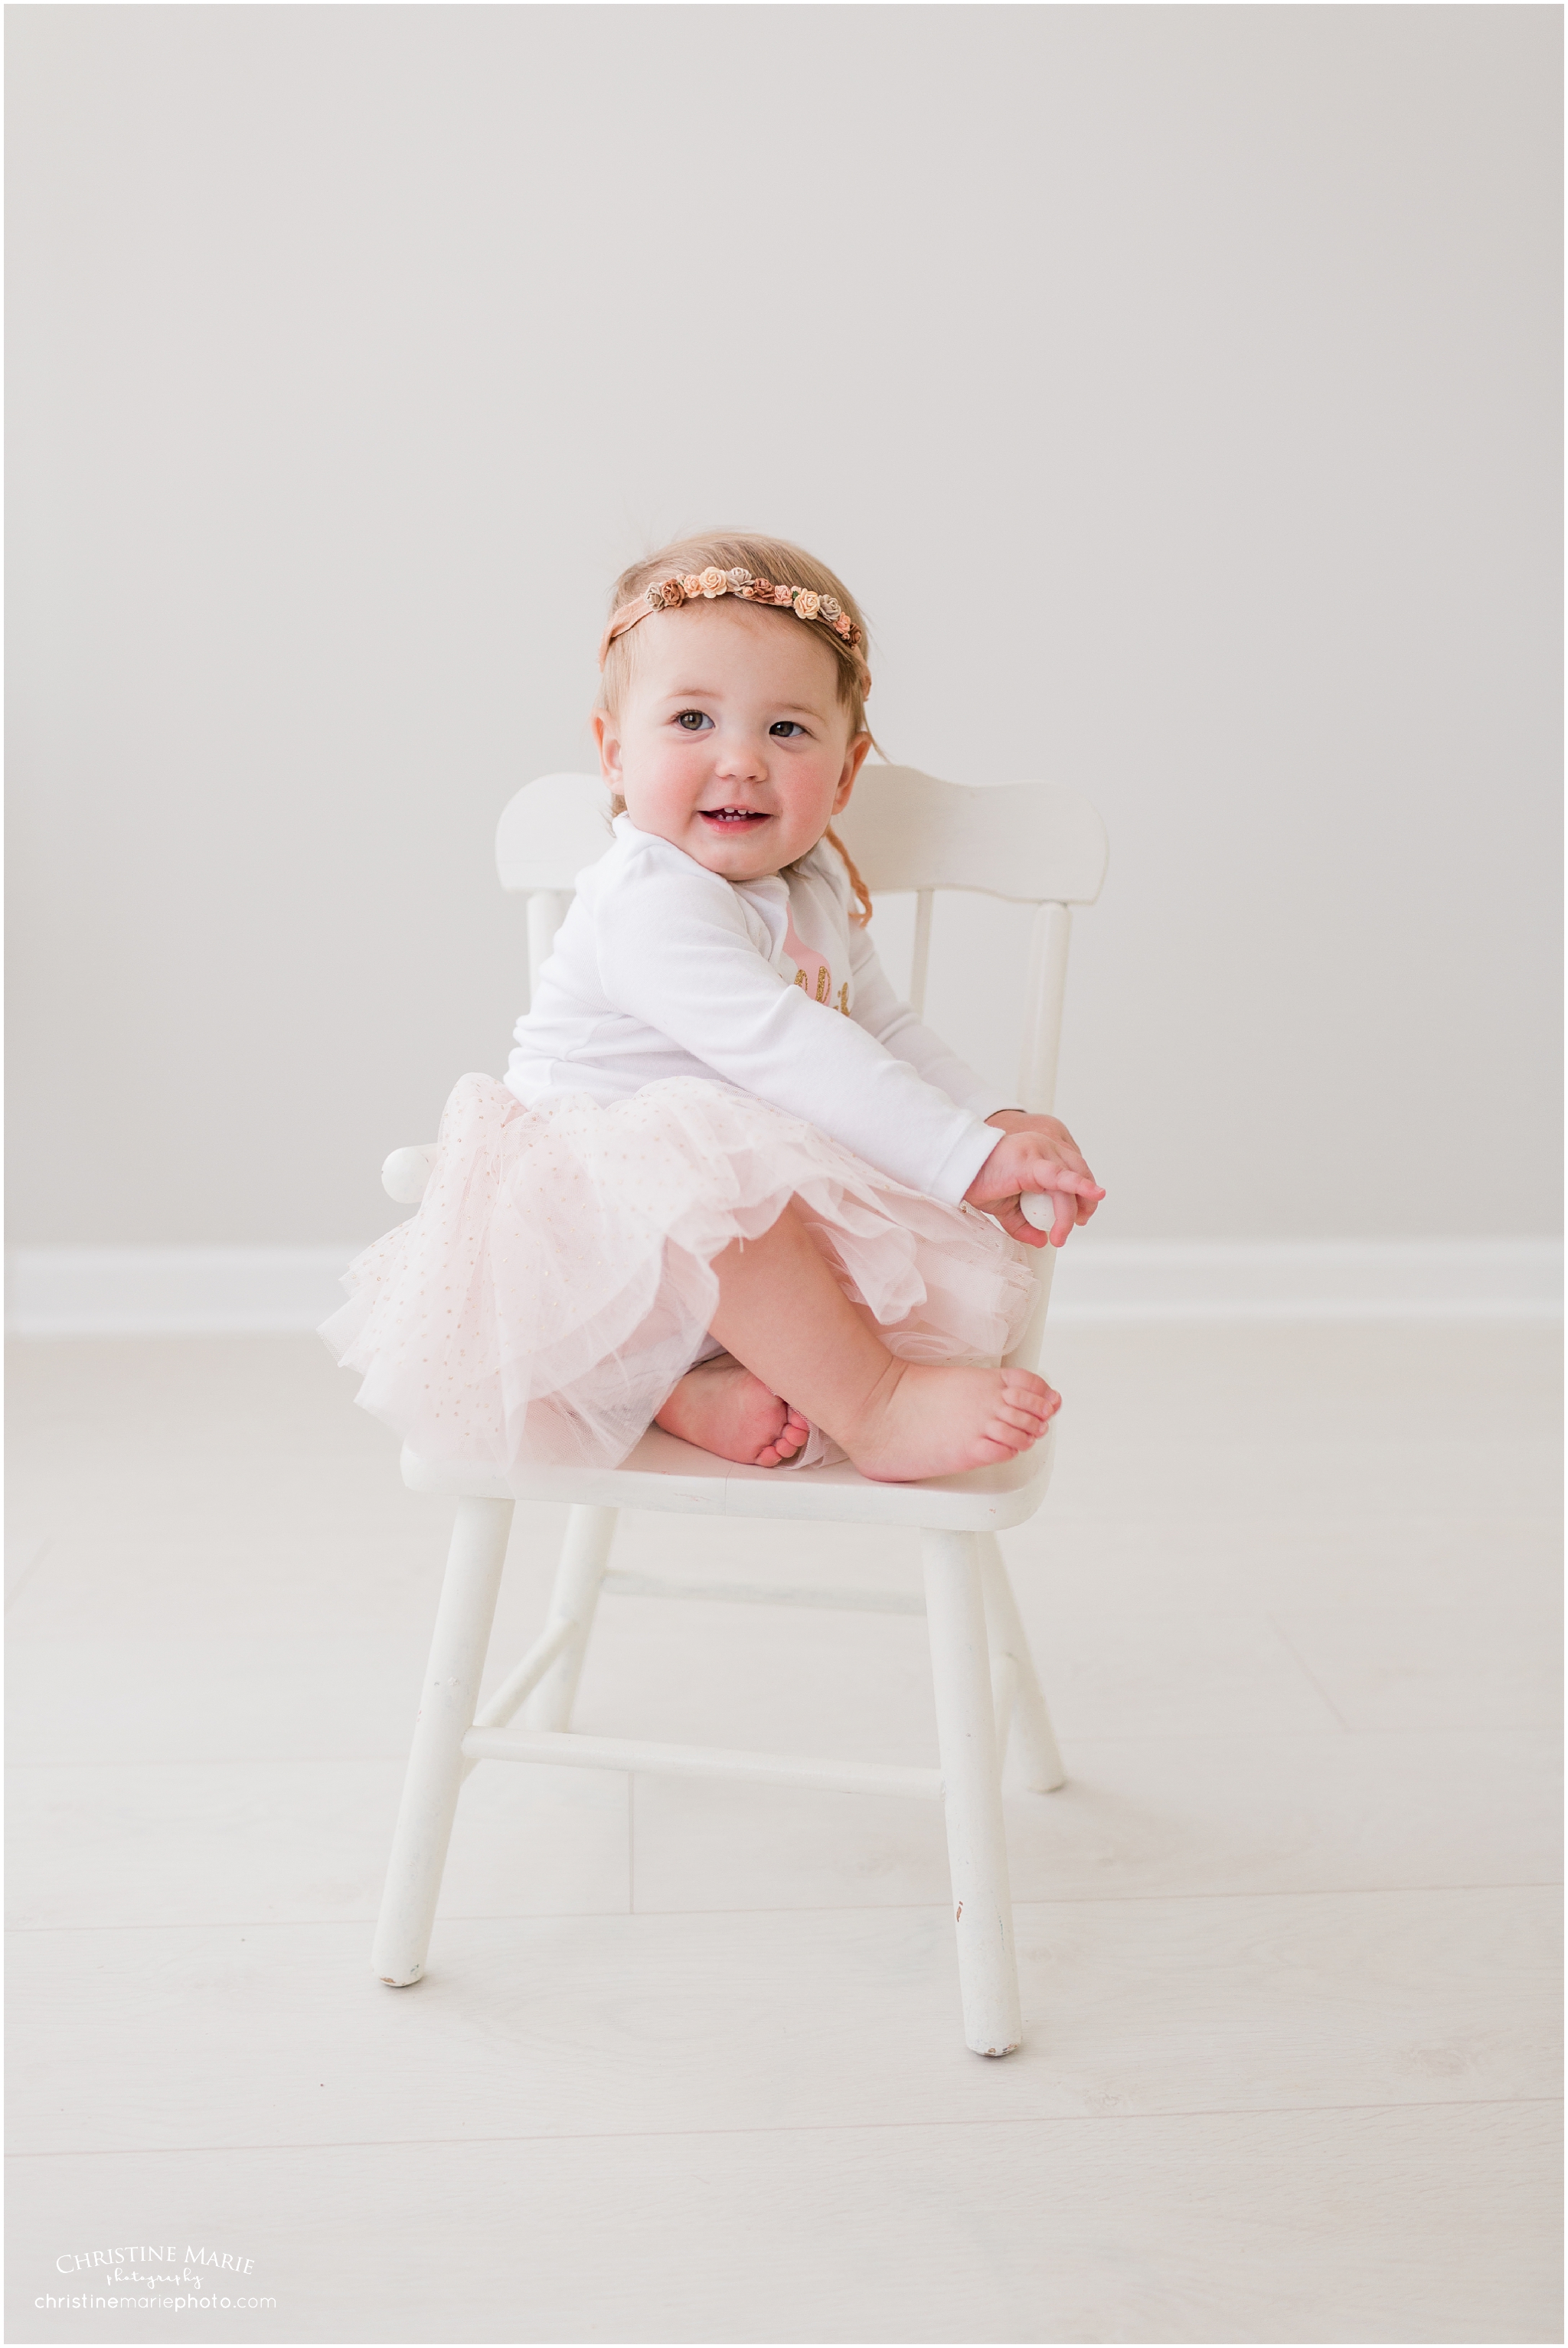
(86, 1291)
(1307, 1279)
(66, 1291)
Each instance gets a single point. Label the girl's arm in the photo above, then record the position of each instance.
(880, 1012)
(674, 950)
(1039, 1152)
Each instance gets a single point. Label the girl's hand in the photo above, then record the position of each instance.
(1036, 1154)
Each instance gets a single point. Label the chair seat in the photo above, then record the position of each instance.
(664, 1473)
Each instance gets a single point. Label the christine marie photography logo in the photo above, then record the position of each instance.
(153, 2274)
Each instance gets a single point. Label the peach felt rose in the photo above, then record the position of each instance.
(783, 595)
(714, 582)
(843, 624)
(808, 603)
(691, 583)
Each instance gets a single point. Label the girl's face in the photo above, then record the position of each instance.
(731, 741)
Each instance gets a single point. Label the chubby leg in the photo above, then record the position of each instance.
(782, 1315)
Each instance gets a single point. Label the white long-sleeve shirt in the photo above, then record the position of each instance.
(665, 969)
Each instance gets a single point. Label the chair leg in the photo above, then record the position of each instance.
(585, 1554)
(463, 1619)
(971, 1791)
(1032, 1730)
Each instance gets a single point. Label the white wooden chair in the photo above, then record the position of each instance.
(907, 831)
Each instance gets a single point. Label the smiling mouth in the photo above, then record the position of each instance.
(732, 818)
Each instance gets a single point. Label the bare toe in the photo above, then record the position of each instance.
(722, 1408)
(939, 1421)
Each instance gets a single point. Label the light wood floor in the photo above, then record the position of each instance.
(687, 2066)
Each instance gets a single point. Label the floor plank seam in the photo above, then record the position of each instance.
(805, 2128)
(1332, 1735)
(878, 1908)
(1308, 1675)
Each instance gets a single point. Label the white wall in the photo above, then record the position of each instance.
(1177, 388)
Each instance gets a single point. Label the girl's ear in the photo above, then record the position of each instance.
(609, 744)
(854, 759)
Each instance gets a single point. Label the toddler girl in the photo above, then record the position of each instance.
(731, 1183)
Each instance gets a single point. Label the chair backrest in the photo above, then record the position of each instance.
(1029, 843)
(1032, 843)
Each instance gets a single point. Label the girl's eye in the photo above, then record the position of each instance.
(692, 721)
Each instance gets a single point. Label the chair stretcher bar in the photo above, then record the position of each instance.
(563, 1749)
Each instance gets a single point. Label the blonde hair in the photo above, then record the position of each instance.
(767, 558)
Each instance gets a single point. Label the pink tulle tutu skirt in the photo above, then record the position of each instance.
(556, 1281)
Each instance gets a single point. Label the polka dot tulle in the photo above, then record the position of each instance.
(556, 1280)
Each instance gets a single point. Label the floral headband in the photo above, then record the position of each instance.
(667, 595)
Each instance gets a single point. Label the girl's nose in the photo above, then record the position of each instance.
(742, 760)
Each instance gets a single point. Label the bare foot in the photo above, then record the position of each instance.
(721, 1407)
(924, 1419)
